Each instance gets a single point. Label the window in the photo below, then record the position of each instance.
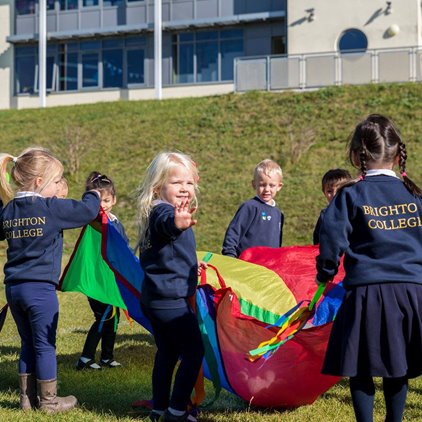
(25, 7)
(206, 56)
(89, 3)
(68, 4)
(353, 41)
(25, 69)
(278, 45)
(74, 65)
(135, 66)
(68, 68)
(113, 2)
(113, 68)
(89, 70)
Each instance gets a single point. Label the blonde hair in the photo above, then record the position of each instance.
(267, 167)
(155, 176)
(30, 164)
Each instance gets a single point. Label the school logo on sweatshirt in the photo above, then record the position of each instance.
(265, 217)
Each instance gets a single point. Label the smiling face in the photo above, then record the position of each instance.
(267, 186)
(179, 186)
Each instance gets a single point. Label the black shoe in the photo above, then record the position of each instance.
(169, 417)
(110, 363)
(154, 416)
(87, 365)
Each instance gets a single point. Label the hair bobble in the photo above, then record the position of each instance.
(361, 177)
(403, 174)
(14, 159)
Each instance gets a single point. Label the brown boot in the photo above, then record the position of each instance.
(28, 391)
(50, 402)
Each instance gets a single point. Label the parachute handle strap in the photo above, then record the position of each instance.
(219, 276)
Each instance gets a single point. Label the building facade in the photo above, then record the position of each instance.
(103, 50)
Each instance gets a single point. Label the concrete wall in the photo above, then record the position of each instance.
(65, 99)
(332, 17)
(6, 53)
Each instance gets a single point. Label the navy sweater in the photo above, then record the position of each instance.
(315, 236)
(169, 262)
(32, 226)
(254, 224)
(377, 224)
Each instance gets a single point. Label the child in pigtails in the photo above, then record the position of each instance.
(377, 224)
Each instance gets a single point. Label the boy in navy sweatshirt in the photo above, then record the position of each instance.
(257, 222)
(331, 181)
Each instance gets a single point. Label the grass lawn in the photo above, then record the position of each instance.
(227, 136)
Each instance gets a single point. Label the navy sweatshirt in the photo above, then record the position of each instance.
(315, 236)
(377, 224)
(169, 262)
(32, 226)
(254, 224)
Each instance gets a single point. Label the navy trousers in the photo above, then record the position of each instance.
(35, 309)
(177, 335)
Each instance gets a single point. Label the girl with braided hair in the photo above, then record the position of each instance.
(376, 223)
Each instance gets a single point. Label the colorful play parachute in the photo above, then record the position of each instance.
(240, 304)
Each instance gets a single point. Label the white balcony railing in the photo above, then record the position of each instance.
(307, 71)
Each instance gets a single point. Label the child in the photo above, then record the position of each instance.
(167, 202)
(32, 223)
(257, 222)
(106, 316)
(377, 224)
(331, 181)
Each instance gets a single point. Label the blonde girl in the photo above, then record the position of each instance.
(167, 203)
(32, 221)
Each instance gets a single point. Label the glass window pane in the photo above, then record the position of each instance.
(89, 3)
(50, 4)
(112, 68)
(206, 59)
(25, 74)
(114, 43)
(112, 2)
(49, 71)
(353, 40)
(135, 66)
(25, 7)
(229, 51)
(206, 35)
(69, 72)
(89, 70)
(231, 33)
(68, 4)
(72, 46)
(185, 71)
(90, 45)
(186, 36)
(132, 41)
(24, 51)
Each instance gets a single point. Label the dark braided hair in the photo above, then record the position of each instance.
(377, 139)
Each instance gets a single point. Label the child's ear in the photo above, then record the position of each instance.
(38, 182)
(280, 186)
(253, 184)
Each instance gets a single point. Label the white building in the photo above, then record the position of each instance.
(103, 50)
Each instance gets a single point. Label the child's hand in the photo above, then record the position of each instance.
(201, 266)
(183, 215)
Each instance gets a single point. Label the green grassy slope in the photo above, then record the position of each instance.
(226, 136)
